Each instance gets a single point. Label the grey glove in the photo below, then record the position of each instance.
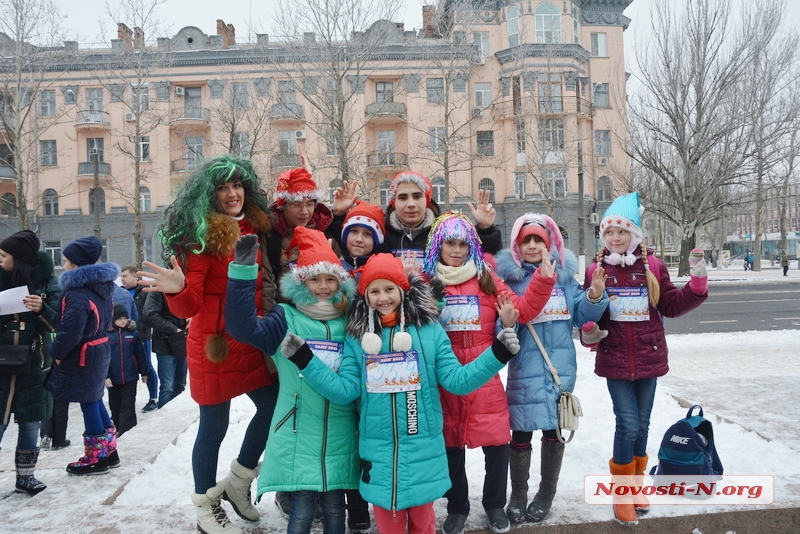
(699, 269)
(291, 344)
(508, 337)
(246, 250)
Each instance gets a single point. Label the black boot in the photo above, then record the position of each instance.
(519, 463)
(552, 454)
(26, 463)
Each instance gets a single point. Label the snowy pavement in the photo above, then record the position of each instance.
(746, 383)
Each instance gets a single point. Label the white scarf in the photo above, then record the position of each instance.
(452, 276)
(322, 310)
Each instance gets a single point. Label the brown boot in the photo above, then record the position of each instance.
(624, 511)
(641, 504)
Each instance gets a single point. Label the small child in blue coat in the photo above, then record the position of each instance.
(126, 364)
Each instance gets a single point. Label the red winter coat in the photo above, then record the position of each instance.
(203, 300)
(480, 418)
(638, 350)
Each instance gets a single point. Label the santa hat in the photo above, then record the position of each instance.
(384, 267)
(368, 216)
(452, 225)
(626, 213)
(411, 177)
(294, 185)
(541, 225)
(315, 256)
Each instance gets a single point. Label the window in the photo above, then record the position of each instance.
(99, 197)
(604, 191)
(47, 101)
(144, 198)
(383, 193)
(436, 140)
(551, 135)
(331, 144)
(192, 103)
(386, 147)
(601, 99)
(194, 152)
(287, 142)
(602, 142)
(144, 148)
(548, 24)
(241, 144)
(239, 95)
(550, 96)
(332, 186)
(286, 92)
(50, 201)
(147, 249)
(140, 98)
(556, 180)
(576, 29)
(94, 99)
(9, 205)
(435, 90)
(384, 92)
(483, 95)
(439, 189)
(485, 143)
(512, 26)
(521, 134)
(487, 185)
(520, 184)
(95, 144)
(53, 248)
(599, 48)
(49, 153)
(482, 40)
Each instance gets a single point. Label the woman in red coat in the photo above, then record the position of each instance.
(220, 202)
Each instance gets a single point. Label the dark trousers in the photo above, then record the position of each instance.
(152, 376)
(494, 483)
(56, 426)
(122, 401)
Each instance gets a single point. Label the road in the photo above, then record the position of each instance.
(739, 307)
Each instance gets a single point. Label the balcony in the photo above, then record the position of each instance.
(7, 172)
(286, 112)
(186, 116)
(286, 161)
(387, 159)
(86, 168)
(89, 119)
(184, 165)
(554, 106)
(385, 111)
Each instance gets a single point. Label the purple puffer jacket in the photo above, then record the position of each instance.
(637, 350)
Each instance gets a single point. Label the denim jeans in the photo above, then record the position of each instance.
(304, 504)
(172, 371)
(28, 435)
(633, 402)
(95, 417)
(152, 376)
(214, 420)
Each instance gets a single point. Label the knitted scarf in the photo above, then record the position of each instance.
(452, 276)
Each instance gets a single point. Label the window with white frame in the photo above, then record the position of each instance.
(147, 249)
(53, 248)
(50, 201)
(144, 198)
(194, 152)
(436, 140)
(240, 96)
(384, 92)
(439, 189)
(548, 24)
(482, 40)
(47, 103)
(520, 179)
(94, 99)
(241, 144)
(601, 97)
(550, 95)
(333, 185)
(331, 144)
(602, 142)
(99, 198)
(9, 208)
(599, 47)
(435, 90)
(512, 26)
(576, 27)
(287, 142)
(49, 152)
(604, 190)
(485, 143)
(551, 135)
(521, 134)
(144, 148)
(383, 193)
(193, 103)
(286, 93)
(385, 142)
(487, 184)
(483, 95)
(557, 183)
(95, 145)
(140, 96)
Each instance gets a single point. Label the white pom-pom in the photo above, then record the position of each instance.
(401, 341)
(371, 343)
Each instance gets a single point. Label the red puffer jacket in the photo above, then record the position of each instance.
(481, 418)
(638, 350)
(242, 368)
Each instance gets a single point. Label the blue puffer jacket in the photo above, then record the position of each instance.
(531, 391)
(127, 355)
(84, 317)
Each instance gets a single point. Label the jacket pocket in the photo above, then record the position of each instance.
(286, 418)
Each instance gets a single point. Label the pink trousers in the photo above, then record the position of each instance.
(419, 519)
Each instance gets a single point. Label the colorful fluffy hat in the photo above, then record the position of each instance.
(452, 225)
(411, 177)
(541, 225)
(294, 185)
(315, 256)
(368, 216)
(626, 213)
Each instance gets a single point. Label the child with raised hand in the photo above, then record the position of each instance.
(634, 354)
(531, 390)
(396, 356)
(312, 446)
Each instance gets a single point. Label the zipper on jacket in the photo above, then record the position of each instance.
(395, 435)
(325, 444)
(121, 356)
(287, 416)
(629, 332)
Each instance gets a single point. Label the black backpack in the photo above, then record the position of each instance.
(688, 448)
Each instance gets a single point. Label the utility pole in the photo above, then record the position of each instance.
(581, 214)
(96, 190)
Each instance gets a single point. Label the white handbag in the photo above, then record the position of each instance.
(569, 407)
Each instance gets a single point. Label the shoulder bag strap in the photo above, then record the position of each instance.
(550, 365)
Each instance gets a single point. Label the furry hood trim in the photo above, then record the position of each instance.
(91, 275)
(297, 292)
(418, 302)
(508, 270)
(223, 230)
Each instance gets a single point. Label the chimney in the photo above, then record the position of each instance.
(228, 33)
(138, 38)
(125, 33)
(429, 16)
(262, 39)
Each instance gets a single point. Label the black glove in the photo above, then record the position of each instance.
(246, 250)
(296, 350)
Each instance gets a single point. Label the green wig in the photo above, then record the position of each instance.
(185, 224)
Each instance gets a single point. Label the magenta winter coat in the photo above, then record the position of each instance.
(637, 350)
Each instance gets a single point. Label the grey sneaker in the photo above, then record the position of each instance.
(454, 524)
(498, 521)
(46, 443)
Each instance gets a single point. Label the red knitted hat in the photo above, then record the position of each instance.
(315, 256)
(411, 177)
(534, 229)
(368, 216)
(382, 266)
(296, 184)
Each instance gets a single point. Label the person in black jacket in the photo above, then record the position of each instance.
(131, 283)
(169, 344)
(126, 364)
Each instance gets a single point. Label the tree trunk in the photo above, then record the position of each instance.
(687, 244)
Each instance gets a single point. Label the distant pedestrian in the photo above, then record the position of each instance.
(131, 283)
(784, 262)
(126, 364)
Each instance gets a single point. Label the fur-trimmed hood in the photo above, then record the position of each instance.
(508, 270)
(96, 275)
(419, 304)
(297, 292)
(223, 230)
(40, 273)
